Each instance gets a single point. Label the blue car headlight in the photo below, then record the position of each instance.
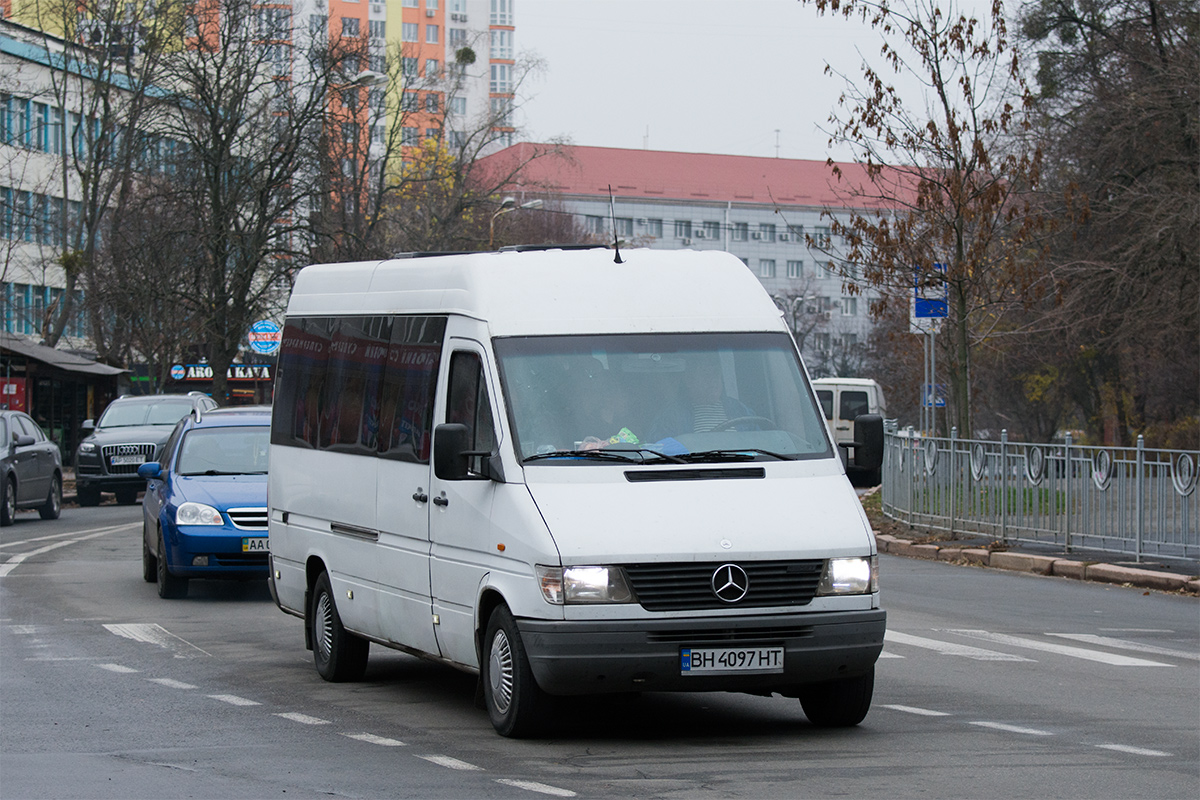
(197, 514)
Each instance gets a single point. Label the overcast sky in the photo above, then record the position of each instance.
(735, 77)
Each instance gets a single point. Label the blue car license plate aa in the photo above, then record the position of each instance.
(739, 660)
(255, 544)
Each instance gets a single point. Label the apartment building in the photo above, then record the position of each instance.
(771, 213)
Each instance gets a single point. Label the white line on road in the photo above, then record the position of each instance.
(1000, 726)
(1060, 649)
(371, 738)
(451, 763)
(886, 654)
(1137, 751)
(151, 633)
(950, 648)
(533, 786)
(1125, 644)
(109, 529)
(117, 668)
(171, 683)
(303, 719)
(234, 700)
(23, 630)
(922, 712)
(16, 560)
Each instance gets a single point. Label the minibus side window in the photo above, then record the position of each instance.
(409, 382)
(853, 404)
(825, 396)
(467, 401)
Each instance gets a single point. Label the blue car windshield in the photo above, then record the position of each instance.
(240, 450)
(691, 397)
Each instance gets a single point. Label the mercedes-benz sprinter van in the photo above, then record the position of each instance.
(569, 475)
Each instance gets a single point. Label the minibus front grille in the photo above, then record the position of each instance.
(742, 637)
(688, 586)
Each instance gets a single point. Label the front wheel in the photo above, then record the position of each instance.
(838, 704)
(52, 508)
(338, 654)
(515, 703)
(170, 587)
(8, 502)
(149, 562)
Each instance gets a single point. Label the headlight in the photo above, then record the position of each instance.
(584, 585)
(87, 447)
(197, 514)
(850, 576)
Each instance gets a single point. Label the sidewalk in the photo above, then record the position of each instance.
(1168, 575)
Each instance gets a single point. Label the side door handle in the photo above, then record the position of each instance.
(441, 500)
(420, 496)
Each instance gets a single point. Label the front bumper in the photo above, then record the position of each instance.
(222, 547)
(644, 655)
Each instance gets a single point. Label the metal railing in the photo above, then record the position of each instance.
(1134, 500)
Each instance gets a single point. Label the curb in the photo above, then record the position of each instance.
(1041, 565)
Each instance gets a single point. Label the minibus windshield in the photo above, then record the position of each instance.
(692, 398)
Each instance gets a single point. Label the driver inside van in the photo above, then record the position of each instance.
(702, 405)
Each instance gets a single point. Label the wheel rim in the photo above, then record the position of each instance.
(56, 497)
(10, 501)
(323, 626)
(500, 672)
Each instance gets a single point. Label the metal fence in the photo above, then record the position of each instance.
(1135, 501)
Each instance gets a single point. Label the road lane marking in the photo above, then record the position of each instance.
(234, 700)
(31, 540)
(303, 719)
(117, 668)
(451, 763)
(371, 738)
(1000, 726)
(886, 654)
(23, 630)
(1125, 644)
(171, 683)
(19, 558)
(1060, 649)
(1137, 751)
(534, 786)
(922, 712)
(950, 648)
(151, 633)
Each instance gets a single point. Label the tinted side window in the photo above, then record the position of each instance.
(349, 420)
(300, 381)
(167, 455)
(853, 404)
(825, 396)
(409, 383)
(467, 400)
(29, 427)
(3, 433)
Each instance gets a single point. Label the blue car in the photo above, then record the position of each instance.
(205, 510)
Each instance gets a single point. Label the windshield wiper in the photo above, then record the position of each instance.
(650, 450)
(732, 454)
(598, 455)
(222, 472)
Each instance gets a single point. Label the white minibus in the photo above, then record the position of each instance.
(843, 400)
(569, 475)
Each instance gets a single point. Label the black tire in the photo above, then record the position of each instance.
(52, 508)
(8, 502)
(170, 587)
(126, 497)
(838, 704)
(149, 561)
(515, 703)
(339, 655)
(88, 496)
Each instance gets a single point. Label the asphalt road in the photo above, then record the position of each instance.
(993, 684)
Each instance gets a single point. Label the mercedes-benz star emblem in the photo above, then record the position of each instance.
(730, 583)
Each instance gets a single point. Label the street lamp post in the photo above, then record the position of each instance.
(506, 205)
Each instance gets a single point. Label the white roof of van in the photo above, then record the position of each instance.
(550, 291)
(845, 381)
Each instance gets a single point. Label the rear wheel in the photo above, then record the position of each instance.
(170, 587)
(338, 654)
(515, 703)
(838, 704)
(8, 502)
(53, 505)
(88, 496)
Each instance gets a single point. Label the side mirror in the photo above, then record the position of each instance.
(452, 459)
(150, 469)
(868, 441)
(23, 439)
(88, 426)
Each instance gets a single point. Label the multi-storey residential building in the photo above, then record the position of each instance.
(771, 213)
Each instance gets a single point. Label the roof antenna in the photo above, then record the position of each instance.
(612, 213)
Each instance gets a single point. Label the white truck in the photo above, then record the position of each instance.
(569, 476)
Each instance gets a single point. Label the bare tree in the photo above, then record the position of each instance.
(949, 174)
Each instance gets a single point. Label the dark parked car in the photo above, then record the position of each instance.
(205, 510)
(129, 433)
(30, 466)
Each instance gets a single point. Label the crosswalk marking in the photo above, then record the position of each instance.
(950, 648)
(1060, 649)
(1125, 644)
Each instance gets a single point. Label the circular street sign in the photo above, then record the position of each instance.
(264, 337)
(178, 372)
